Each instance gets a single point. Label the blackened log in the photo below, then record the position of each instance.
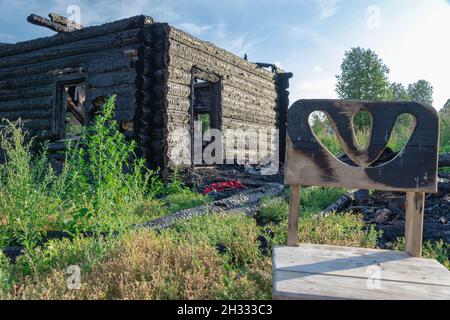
(104, 42)
(72, 107)
(57, 156)
(13, 252)
(339, 205)
(64, 21)
(116, 61)
(29, 114)
(36, 124)
(110, 79)
(26, 93)
(57, 146)
(86, 33)
(444, 160)
(208, 48)
(26, 104)
(43, 22)
(244, 202)
(444, 187)
(33, 80)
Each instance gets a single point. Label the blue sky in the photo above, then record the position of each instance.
(306, 37)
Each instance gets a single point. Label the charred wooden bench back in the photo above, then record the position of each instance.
(413, 170)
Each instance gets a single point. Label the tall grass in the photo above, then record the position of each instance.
(99, 185)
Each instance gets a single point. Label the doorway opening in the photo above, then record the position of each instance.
(206, 112)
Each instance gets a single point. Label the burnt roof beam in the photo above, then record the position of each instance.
(64, 21)
(52, 25)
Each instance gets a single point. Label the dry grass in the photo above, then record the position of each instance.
(336, 229)
(146, 266)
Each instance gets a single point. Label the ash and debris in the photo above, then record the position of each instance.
(386, 210)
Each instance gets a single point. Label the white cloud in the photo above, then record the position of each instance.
(194, 29)
(328, 8)
(305, 33)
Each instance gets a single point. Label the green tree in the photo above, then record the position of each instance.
(421, 91)
(398, 92)
(363, 76)
(446, 108)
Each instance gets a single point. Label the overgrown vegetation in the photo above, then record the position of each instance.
(105, 190)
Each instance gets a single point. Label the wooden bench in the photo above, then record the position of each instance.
(313, 271)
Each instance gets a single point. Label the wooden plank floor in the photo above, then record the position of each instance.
(330, 272)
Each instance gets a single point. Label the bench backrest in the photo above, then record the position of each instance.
(413, 169)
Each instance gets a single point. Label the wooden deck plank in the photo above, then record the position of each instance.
(394, 265)
(304, 286)
(330, 272)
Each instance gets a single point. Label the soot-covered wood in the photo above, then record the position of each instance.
(310, 163)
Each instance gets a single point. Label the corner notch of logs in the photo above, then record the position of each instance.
(56, 23)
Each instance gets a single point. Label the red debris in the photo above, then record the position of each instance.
(221, 186)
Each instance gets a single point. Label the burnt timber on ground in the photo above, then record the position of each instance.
(150, 66)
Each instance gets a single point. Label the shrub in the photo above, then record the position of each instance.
(234, 236)
(149, 209)
(97, 195)
(29, 199)
(334, 229)
(112, 177)
(313, 200)
(60, 254)
(272, 209)
(185, 200)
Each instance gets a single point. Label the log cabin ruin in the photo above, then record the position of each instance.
(164, 79)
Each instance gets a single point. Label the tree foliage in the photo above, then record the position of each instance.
(398, 92)
(363, 76)
(421, 91)
(446, 108)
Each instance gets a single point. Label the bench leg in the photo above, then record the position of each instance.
(294, 206)
(415, 202)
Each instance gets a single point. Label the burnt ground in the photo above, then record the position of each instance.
(250, 177)
(386, 210)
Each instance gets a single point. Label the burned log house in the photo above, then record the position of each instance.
(164, 79)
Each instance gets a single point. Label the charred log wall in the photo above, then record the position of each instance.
(149, 66)
(282, 85)
(251, 97)
(152, 116)
(106, 57)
